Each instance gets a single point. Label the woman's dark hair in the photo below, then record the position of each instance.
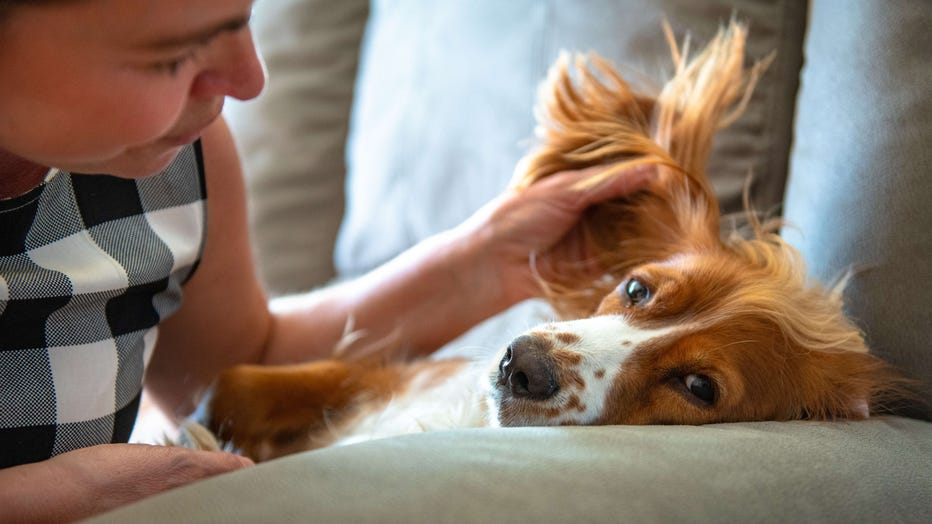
(6, 6)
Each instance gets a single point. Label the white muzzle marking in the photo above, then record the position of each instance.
(604, 343)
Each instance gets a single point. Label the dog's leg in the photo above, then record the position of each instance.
(266, 412)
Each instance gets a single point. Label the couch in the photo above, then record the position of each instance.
(385, 123)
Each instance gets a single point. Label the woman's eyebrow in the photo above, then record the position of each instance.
(199, 36)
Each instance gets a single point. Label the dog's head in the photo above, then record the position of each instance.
(685, 326)
(706, 337)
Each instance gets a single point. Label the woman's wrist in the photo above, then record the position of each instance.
(495, 272)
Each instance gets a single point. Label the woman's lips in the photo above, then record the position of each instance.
(188, 137)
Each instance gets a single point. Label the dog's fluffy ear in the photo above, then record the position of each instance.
(705, 94)
(850, 385)
(589, 115)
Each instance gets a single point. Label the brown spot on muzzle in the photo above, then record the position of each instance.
(567, 338)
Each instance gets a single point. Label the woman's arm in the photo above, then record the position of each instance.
(420, 300)
(223, 319)
(89, 481)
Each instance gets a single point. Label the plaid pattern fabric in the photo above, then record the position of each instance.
(89, 265)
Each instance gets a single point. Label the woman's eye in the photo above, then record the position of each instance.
(701, 387)
(173, 64)
(171, 67)
(636, 292)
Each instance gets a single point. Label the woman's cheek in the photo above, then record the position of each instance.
(153, 120)
(150, 109)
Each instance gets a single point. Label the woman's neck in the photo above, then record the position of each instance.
(18, 175)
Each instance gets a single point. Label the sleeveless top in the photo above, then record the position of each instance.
(89, 266)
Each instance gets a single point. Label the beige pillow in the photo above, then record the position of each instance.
(292, 137)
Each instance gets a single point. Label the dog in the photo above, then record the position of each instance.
(685, 326)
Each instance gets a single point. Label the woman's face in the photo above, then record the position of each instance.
(119, 86)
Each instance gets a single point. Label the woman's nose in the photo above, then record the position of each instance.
(235, 70)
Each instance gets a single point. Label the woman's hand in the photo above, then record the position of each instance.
(540, 222)
(89, 481)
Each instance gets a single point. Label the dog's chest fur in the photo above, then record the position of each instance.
(428, 403)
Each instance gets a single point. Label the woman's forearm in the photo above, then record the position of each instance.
(417, 302)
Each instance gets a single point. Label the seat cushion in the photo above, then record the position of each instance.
(873, 471)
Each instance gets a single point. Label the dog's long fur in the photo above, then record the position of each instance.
(730, 330)
(599, 119)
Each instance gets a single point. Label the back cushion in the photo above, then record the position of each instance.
(292, 137)
(860, 192)
(444, 103)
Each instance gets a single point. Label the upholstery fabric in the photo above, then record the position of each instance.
(873, 471)
(860, 189)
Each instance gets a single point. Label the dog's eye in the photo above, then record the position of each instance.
(701, 387)
(636, 292)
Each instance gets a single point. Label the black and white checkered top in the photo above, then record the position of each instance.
(89, 266)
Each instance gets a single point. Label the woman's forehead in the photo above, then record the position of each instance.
(140, 23)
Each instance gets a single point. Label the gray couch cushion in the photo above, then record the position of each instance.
(873, 471)
(860, 190)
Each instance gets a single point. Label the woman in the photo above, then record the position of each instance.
(92, 266)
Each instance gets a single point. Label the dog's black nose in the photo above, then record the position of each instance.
(527, 370)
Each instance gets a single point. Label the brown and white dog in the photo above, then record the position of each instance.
(687, 326)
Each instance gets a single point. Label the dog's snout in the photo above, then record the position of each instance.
(527, 370)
